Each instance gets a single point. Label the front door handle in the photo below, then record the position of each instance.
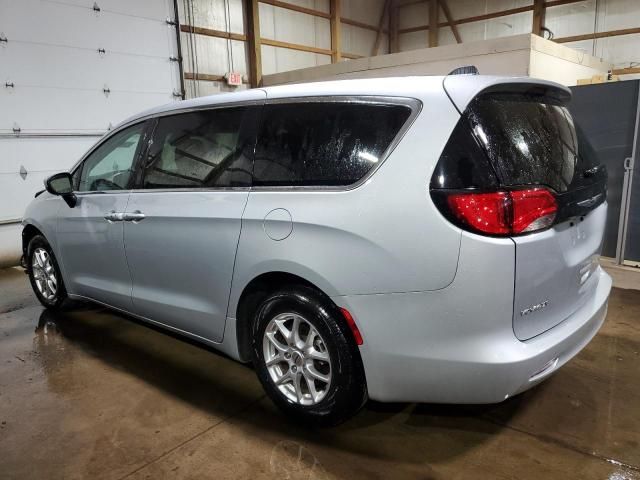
(114, 216)
(135, 216)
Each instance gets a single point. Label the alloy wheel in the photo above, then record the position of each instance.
(297, 359)
(44, 274)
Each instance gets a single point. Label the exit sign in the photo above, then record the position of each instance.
(234, 78)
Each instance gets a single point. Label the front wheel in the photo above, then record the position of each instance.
(44, 273)
(305, 357)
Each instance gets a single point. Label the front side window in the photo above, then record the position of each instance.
(110, 166)
(324, 143)
(199, 149)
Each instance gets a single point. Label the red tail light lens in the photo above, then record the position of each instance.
(533, 210)
(504, 213)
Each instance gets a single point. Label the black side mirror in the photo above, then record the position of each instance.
(62, 184)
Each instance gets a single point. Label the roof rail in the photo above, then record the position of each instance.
(466, 70)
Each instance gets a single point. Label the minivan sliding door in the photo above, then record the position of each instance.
(183, 220)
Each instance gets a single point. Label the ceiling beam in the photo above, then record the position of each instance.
(295, 46)
(209, 32)
(625, 71)
(297, 8)
(447, 15)
(366, 26)
(378, 40)
(593, 36)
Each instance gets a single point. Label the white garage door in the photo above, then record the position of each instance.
(68, 70)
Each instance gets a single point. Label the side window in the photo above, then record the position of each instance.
(325, 143)
(110, 166)
(201, 149)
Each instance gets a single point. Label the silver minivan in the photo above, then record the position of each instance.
(416, 239)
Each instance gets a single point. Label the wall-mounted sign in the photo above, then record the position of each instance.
(234, 78)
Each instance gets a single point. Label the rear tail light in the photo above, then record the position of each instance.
(500, 213)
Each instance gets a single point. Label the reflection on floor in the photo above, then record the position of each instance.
(90, 394)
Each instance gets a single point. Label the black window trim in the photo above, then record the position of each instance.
(152, 121)
(413, 104)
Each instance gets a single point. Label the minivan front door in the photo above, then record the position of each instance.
(90, 235)
(182, 223)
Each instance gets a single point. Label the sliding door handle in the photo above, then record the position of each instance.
(135, 216)
(114, 216)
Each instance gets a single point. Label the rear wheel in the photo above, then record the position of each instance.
(44, 273)
(305, 357)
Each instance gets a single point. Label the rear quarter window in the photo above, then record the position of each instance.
(324, 143)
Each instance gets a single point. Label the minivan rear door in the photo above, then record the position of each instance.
(530, 138)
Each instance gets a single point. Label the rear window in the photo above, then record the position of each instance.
(324, 143)
(516, 139)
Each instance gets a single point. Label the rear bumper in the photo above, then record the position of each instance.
(420, 347)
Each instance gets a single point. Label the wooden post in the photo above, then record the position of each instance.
(538, 17)
(383, 14)
(252, 29)
(336, 36)
(433, 23)
(449, 18)
(394, 44)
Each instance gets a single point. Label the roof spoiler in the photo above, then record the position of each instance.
(462, 89)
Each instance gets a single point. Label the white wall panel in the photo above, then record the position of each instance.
(71, 110)
(294, 27)
(50, 66)
(276, 59)
(276, 23)
(365, 11)
(360, 41)
(156, 10)
(43, 154)
(414, 15)
(572, 19)
(40, 157)
(418, 14)
(508, 25)
(37, 21)
(320, 5)
(52, 59)
(224, 15)
(622, 51)
(205, 88)
(565, 20)
(212, 54)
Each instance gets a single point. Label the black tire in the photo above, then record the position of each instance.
(56, 301)
(347, 390)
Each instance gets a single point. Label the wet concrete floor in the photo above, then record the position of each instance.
(91, 394)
